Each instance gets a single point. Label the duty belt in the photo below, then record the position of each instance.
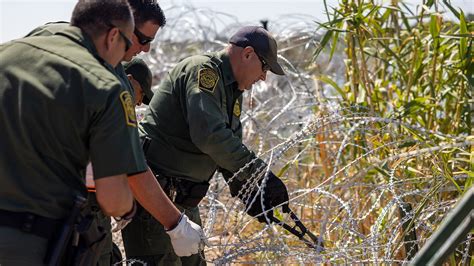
(182, 191)
(30, 223)
(179, 190)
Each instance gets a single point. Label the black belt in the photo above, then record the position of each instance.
(30, 223)
(179, 190)
(182, 191)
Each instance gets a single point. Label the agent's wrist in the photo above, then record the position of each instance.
(177, 223)
(129, 215)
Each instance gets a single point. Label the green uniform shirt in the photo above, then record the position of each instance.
(60, 105)
(55, 27)
(52, 28)
(49, 29)
(194, 121)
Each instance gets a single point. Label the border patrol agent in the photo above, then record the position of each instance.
(61, 105)
(140, 77)
(192, 128)
(148, 19)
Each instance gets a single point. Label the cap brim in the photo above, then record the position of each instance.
(147, 97)
(276, 68)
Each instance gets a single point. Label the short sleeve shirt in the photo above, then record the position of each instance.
(55, 27)
(61, 106)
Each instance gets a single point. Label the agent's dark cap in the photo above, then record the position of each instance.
(262, 42)
(141, 73)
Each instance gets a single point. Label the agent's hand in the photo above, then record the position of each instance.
(274, 194)
(186, 237)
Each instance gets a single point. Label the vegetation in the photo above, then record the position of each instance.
(415, 69)
(371, 130)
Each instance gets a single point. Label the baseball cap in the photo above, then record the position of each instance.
(141, 73)
(262, 42)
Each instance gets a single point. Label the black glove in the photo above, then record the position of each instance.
(274, 194)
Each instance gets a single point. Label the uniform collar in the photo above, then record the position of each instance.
(81, 38)
(228, 75)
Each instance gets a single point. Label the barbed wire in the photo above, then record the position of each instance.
(354, 178)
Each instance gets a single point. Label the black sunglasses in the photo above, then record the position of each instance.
(265, 66)
(128, 42)
(142, 38)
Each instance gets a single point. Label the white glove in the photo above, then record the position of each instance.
(186, 237)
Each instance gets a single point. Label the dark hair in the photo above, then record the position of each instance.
(145, 10)
(96, 16)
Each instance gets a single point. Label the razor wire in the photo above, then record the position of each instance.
(350, 174)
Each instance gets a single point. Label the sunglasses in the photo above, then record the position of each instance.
(142, 38)
(128, 42)
(265, 66)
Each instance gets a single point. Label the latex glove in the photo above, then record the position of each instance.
(186, 237)
(119, 223)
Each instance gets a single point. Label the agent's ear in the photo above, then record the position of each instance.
(247, 52)
(111, 37)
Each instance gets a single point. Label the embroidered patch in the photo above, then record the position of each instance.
(237, 108)
(207, 79)
(128, 108)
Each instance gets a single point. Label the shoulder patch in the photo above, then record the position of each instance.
(128, 109)
(207, 79)
(237, 109)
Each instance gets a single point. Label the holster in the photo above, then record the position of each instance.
(80, 240)
(182, 191)
(91, 240)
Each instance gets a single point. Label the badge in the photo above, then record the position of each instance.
(207, 79)
(237, 108)
(128, 108)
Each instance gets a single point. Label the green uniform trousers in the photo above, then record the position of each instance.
(106, 255)
(145, 239)
(19, 248)
(106, 258)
